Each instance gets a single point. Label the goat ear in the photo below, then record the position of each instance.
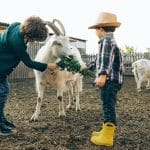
(59, 24)
(53, 27)
(72, 40)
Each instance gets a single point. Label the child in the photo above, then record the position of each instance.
(109, 76)
(13, 45)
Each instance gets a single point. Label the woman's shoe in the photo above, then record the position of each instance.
(9, 124)
(4, 130)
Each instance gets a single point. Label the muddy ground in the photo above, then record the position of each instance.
(73, 131)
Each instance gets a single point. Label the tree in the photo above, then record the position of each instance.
(129, 49)
(148, 50)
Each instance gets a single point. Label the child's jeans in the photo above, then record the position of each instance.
(4, 90)
(108, 96)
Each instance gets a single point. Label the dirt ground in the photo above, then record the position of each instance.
(73, 131)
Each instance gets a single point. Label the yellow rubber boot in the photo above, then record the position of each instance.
(96, 133)
(106, 136)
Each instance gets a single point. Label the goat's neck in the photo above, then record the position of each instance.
(51, 58)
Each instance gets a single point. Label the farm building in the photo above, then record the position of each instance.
(80, 44)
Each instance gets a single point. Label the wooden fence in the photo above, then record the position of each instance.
(128, 59)
(23, 72)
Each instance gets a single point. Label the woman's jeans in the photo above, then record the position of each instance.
(108, 96)
(4, 90)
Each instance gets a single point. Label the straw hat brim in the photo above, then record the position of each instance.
(112, 24)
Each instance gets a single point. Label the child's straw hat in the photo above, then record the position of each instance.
(106, 19)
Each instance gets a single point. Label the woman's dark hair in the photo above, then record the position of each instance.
(34, 29)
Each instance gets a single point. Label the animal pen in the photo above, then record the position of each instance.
(74, 131)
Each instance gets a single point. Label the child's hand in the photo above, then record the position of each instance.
(52, 66)
(101, 81)
(83, 67)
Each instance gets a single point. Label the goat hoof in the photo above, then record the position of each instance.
(62, 114)
(68, 107)
(79, 109)
(34, 119)
(139, 90)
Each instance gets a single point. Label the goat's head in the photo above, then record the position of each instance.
(76, 54)
(60, 44)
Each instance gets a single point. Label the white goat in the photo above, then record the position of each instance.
(141, 71)
(56, 47)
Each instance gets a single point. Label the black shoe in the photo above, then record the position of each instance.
(4, 130)
(9, 124)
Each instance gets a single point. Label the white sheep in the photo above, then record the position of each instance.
(56, 47)
(141, 71)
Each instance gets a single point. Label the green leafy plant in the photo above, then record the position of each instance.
(73, 66)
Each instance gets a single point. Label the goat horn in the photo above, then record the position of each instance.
(53, 27)
(60, 24)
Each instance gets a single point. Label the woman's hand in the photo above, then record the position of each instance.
(52, 66)
(101, 80)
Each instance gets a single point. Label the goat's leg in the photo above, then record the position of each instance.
(77, 93)
(139, 83)
(61, 103)
(70, 95)
(35, 115)
(148, 84)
